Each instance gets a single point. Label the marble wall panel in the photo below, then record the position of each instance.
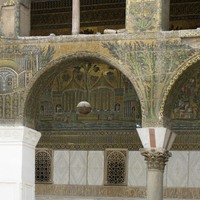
(194, 169)
(61, 167)
(87, 168)
(136, 169)
(78, 167)
(95, 168)
(177, 169)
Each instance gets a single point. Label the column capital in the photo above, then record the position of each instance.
(156, 158)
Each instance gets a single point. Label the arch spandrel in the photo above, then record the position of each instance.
(152, 62)
(46, 75)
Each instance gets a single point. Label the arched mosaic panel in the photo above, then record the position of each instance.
(182, 109)
(113, 99)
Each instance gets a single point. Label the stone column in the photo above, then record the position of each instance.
(17, 163)
(75, 17)
(156, 142)
(15, 18)
(156, 160)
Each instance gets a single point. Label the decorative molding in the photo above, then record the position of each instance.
(96, 140)
(189, 33)
(90, 140)
(155, 158)
(65, 191)
(85, 190)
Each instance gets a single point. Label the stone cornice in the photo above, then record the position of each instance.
(99, 37)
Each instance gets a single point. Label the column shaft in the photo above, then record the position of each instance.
(76, 17)
(154, 185)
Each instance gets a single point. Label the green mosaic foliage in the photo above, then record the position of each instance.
(152, 63)
(144, 15)
(46, 55)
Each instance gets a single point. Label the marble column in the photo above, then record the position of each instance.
(156, 161)
(75, 17)
(17, 163)
(156, 142)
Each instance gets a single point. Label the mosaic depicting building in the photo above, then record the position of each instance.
(99, 99)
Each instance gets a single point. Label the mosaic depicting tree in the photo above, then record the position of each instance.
(114, 102)
(145, 59)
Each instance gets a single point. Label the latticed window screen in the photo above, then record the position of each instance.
(43, 166)
(116, 166)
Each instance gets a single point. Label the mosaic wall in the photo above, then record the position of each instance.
(17, 67)
(142, 15)
(182, 105)
(113, 100)
(145, 60)
(51, 89)
(125, 77)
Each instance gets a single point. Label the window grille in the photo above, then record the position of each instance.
(115, 166)
(43, 166)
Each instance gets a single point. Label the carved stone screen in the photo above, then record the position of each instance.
(43, 166)
(116, 167)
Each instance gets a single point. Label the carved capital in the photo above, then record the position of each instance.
(156, 158)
